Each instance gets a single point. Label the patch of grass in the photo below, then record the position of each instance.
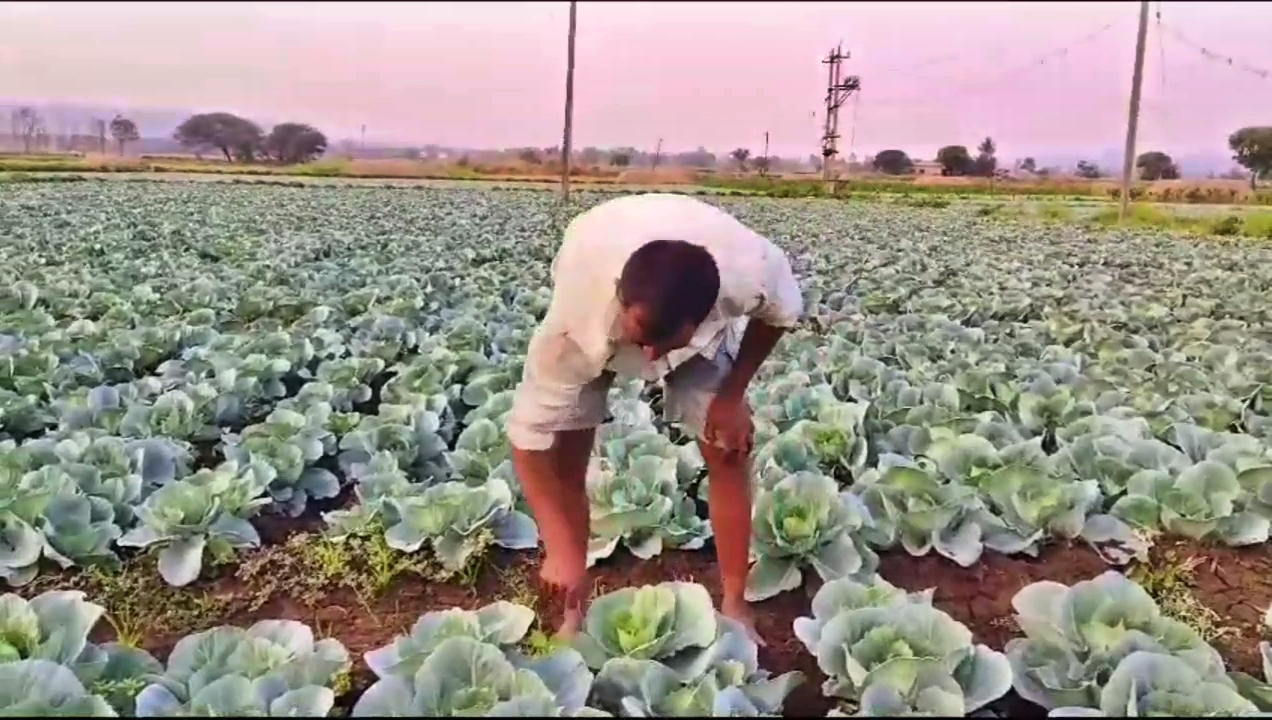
(1258, 224)
(139, 603)
(538, 643)
(923, 201)
(1252, 224)
(516, 586)
(1168, 577)
(309, 565)
(1055, 212)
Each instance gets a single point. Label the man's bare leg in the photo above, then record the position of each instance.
(554, 484)
(729, 500)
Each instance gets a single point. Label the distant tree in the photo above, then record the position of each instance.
(985, 163)
(529, 156)
(1088, 170)
(123, 131)
(27, 125)
(700, 158)
(290, 143)
(740, 156)
(237, 138)
(1029, 165)
(1252, 149)
(591, 156)
(620, 158)
(762, 164)
(1156, 165)
(954, 160)
(892, 162)
(814, 161)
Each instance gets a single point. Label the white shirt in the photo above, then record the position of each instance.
(755, 279)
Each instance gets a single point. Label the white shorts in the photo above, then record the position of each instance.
(555, 396)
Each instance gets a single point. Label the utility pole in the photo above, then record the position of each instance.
(764, 164)
(1132, 121)
(838, 89)
(362, 142)
(569, 105)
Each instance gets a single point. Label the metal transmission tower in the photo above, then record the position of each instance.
(838, 90)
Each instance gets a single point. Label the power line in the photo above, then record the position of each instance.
(1229, 60)
(1039, 61)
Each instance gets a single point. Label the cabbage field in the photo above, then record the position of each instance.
(253, 462)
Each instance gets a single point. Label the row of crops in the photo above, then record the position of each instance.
(1100, 648)
(179, 364)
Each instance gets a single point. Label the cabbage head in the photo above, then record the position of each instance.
(805, 520)
(290, 443)
(672, 622)
(641, 504)
(912, 504)
(1201, 501)
(894, 653)
(731, 683)
(208, 510)
(42, 688)
(456, 519)
(464, 676)
(273, 668)
(1150, 684)
(1075, 636)
(500, 623)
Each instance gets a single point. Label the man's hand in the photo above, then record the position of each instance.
(729, 424)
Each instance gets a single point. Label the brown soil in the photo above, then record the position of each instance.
(1236, 583)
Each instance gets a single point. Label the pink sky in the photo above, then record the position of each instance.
(713, 74)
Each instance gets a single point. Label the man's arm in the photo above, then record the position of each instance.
(757, 344)
(781, 304)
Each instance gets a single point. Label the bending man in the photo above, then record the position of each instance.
(654, 286)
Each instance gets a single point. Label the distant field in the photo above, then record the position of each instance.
(1222, 192)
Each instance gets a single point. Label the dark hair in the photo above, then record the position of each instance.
(676, 281)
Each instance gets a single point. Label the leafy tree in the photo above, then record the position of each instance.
(1029, 165)
(1252, 149)
(700, 158)
(985, 163)
(237, 138)
(740, 156)
(1089, 170)
(954, 160)
(1157, 165)
(530, 156)
(763, 164)
(892, 162)
(290, 143)
(123, 131)
(620, 158)
(28, 125)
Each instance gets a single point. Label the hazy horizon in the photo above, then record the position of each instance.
(694, 74)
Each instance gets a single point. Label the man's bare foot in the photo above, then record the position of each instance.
(740, 612)
(571, 623)
(574, 594)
